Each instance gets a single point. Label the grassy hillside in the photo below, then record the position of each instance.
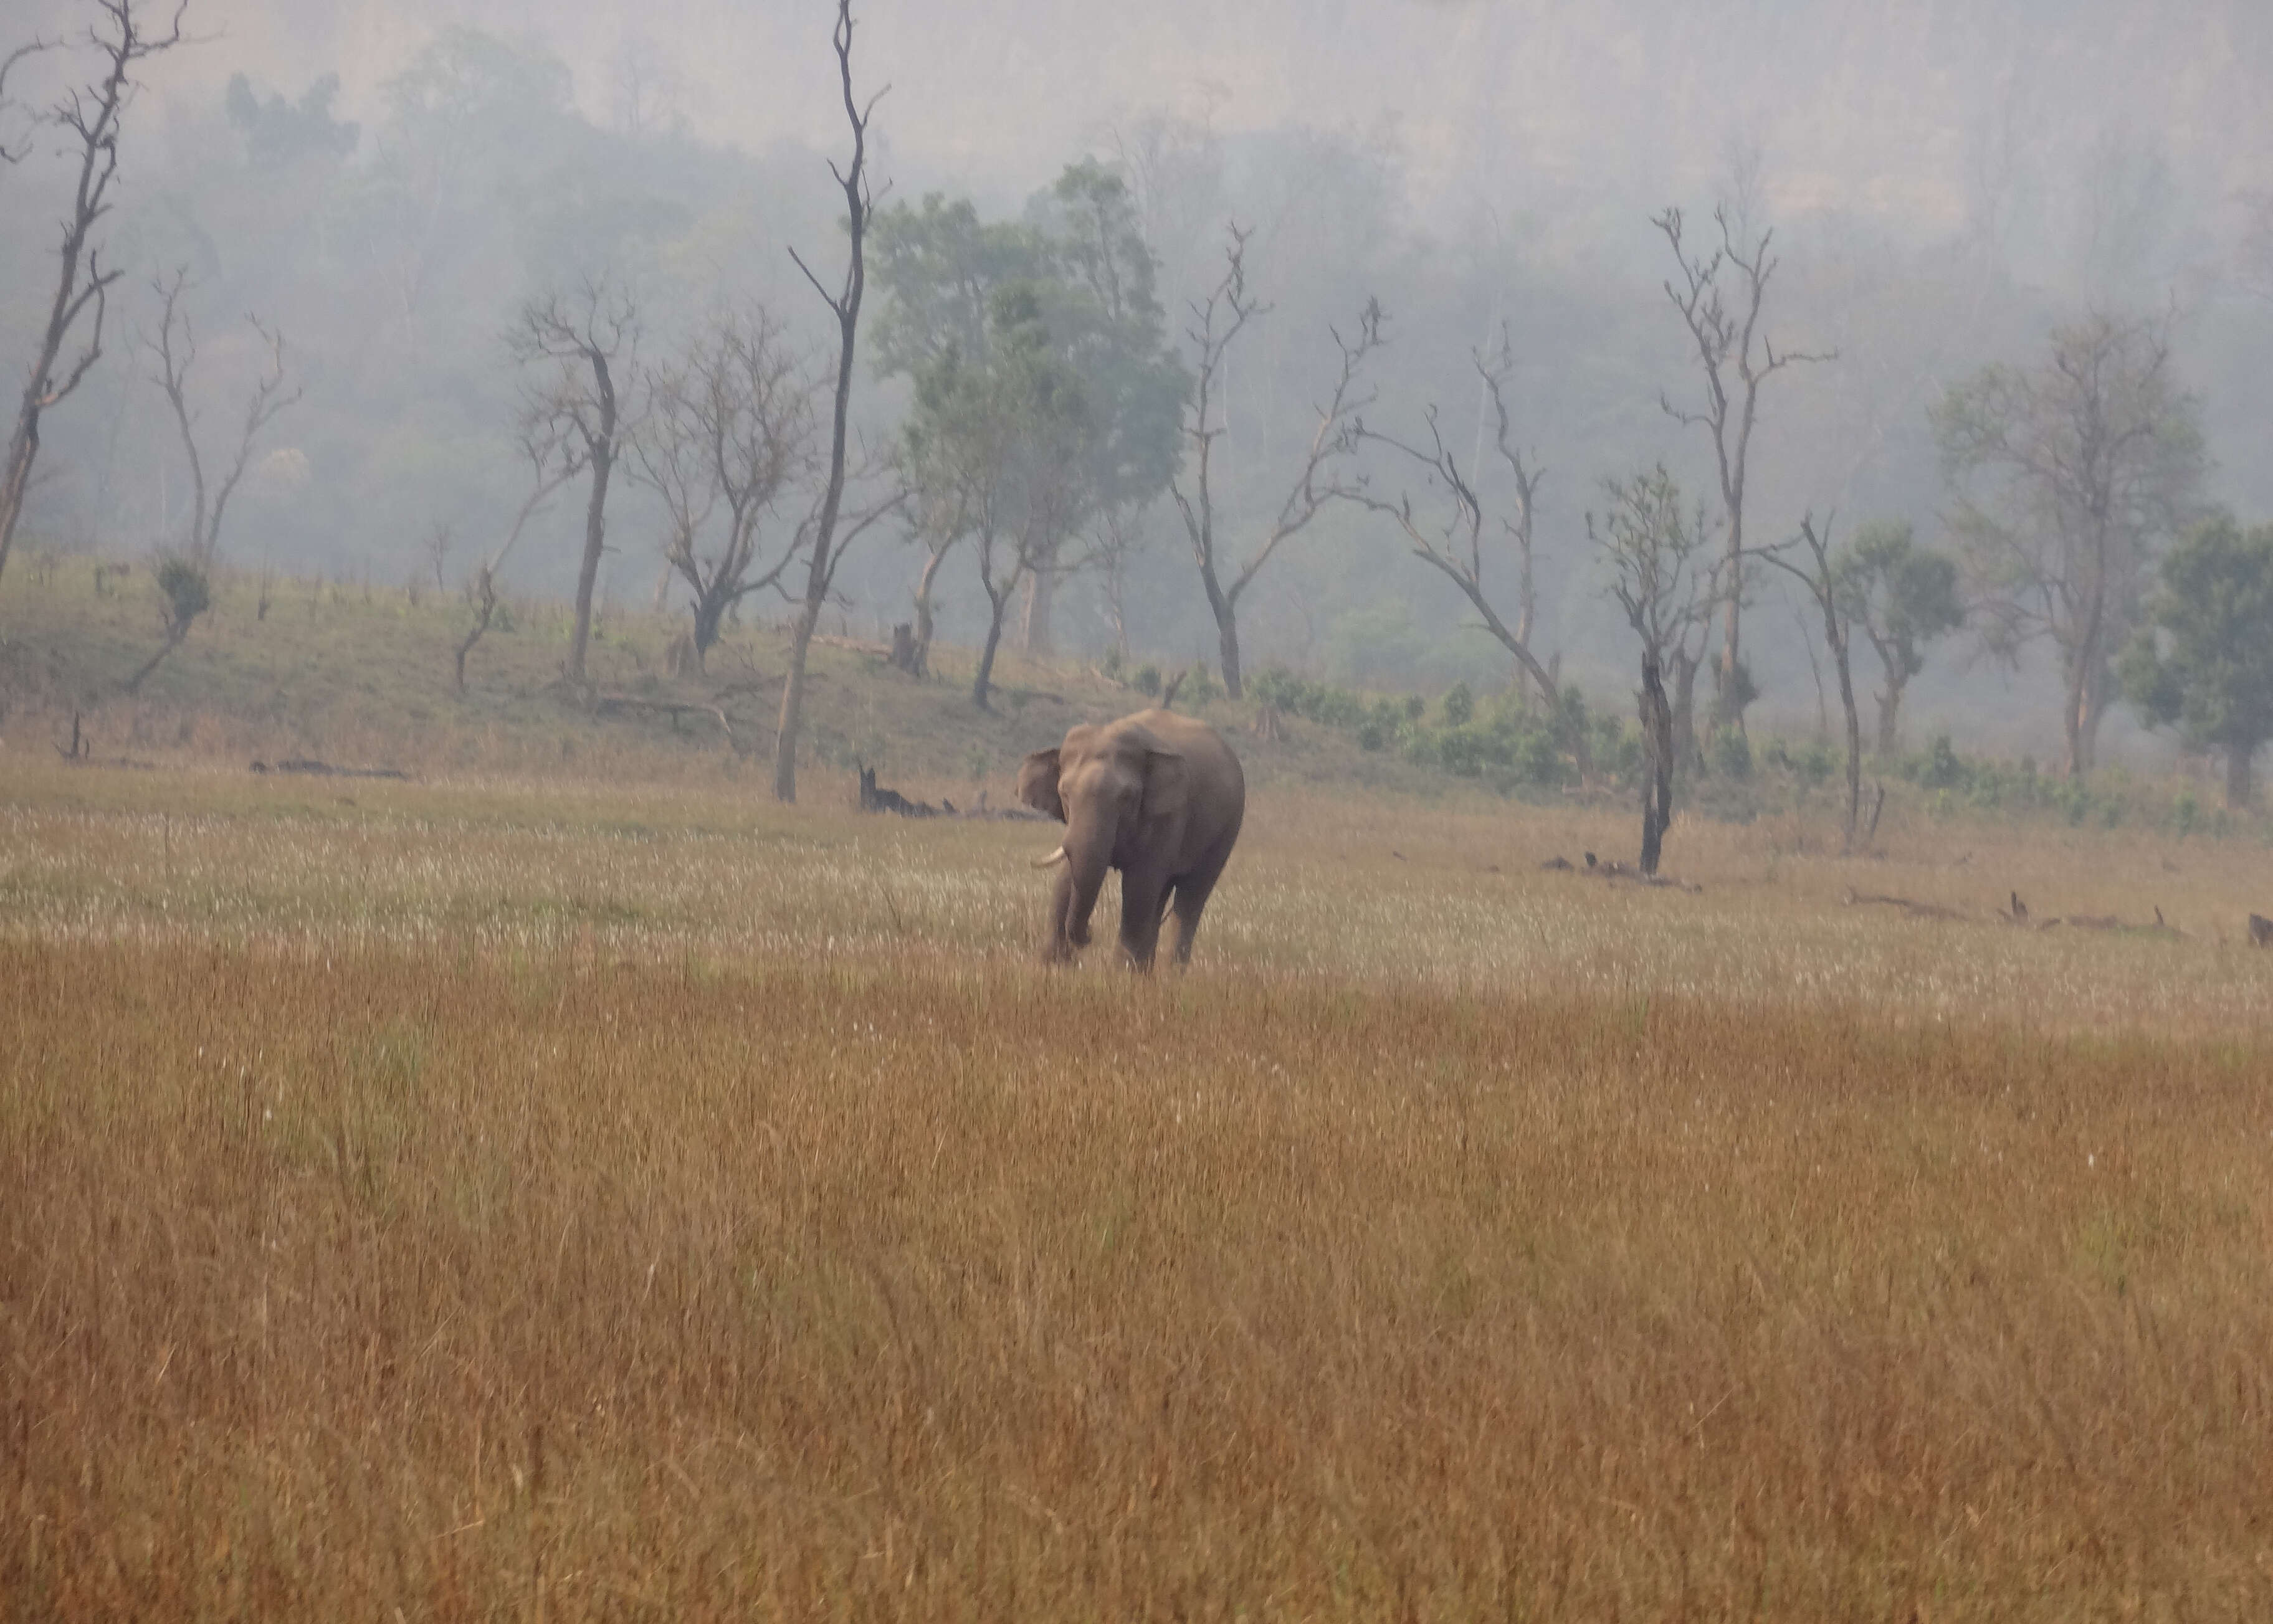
(362, 675)
(357, 674)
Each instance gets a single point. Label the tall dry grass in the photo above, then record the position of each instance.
(469, 1204)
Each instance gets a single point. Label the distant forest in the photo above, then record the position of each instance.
(1514, 361)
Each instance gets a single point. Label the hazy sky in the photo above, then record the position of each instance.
(1891, 108)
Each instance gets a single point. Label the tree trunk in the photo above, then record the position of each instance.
(1685, 752)
(1838, 654)
(23, 447)
(173, 641)
(1227, 627)
(1890, 703)
(1727, 712)
(1658, 752)
(595, 537)
(986, 677)
(921, 665)
(709, 614)
(1042, 596)
(1116, 599)
(2240, 786)
(793, 710)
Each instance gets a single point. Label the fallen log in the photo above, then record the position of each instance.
(308, 767)
(1909, 905)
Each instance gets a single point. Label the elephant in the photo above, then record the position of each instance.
(1159, 796)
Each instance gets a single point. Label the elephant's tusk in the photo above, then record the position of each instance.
(1053, 859)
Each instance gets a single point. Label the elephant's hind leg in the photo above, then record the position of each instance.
(1141, 913)
(1192, 893)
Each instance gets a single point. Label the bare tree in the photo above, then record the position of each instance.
(2068, 478)
(1657, 550)
(580, 340)
(1736, 357)
(1453, 545)
(1219, 320)
(184, 575)
(731, 426)
(552, 462)
(1825, 578)
(90, 115)
(175, 351)
(825, 553)
(1118, 535)
(8, 105)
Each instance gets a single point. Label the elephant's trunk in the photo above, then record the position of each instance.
(1088, 851)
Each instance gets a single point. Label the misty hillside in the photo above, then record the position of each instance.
(387, 184)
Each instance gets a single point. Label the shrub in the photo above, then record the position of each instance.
(1942, 767)
(1732, 754)
(1148, 681)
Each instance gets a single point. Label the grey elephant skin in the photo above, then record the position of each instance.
(1159, 796)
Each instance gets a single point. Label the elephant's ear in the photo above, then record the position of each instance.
(1167, 783)
(1038, 783)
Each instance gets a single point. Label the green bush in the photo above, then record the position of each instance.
(1148, 681)
(1732, 754)
(1459, 705)
(1942, 769)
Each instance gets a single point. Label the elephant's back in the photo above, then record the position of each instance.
(1197, 742)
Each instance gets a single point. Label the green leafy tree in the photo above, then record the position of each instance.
(277, 132)
(938, 265)
(2204, 661)
(1902, 596)
(1103, 313)
(1088, 286)
(997, 451)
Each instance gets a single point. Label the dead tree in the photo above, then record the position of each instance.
(184, 575)
(1736, 357)
(10, 106)
(552, 464)
(580, 340)
(89, 115)
(1217, 321)
(1821, 575)
(175, 351)
(1655, 549)
(2070, 474)
(1120, 533)
(730, 427)
(825, 551)
(1453, 545)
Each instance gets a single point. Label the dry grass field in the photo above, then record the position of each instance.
(452, 1201)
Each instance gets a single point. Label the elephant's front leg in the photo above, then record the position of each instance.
(1067, 930)
(1141, 895)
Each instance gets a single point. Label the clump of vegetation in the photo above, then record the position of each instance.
(1503, 740)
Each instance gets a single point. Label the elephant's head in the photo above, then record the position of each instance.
(1121, 794)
